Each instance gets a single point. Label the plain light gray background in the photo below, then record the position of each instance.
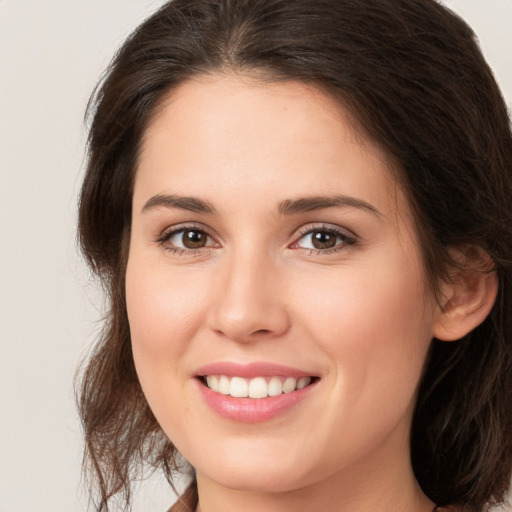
(51, 54)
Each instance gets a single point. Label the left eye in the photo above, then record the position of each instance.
(189, 239)
(322, 239)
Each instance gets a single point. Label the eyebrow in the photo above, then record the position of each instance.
(192, 204)
(308, 204)
(287, 207)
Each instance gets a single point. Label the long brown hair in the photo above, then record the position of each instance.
(412, 75)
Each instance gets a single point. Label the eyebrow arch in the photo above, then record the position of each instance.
(192, 204)
(307, 204)
(286, 207)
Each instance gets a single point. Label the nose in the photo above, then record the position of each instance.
(249, 301)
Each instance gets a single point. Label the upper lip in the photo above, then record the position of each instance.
(250, 370)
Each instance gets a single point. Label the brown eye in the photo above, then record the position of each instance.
(187, 239)
(323, 239)
(194, 239)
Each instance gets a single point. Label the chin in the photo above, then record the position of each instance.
(258, 480)
(268, 471)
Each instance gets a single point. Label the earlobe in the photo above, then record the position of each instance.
(469, 296)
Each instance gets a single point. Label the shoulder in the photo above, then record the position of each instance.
(187, 502)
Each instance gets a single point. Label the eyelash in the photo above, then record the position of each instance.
(346, 239)
(166, 235)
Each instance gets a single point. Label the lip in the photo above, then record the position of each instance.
(250, 410)
(250, 370)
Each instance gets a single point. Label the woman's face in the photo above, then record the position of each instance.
(271, 249)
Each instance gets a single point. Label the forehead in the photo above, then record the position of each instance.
(258, 138)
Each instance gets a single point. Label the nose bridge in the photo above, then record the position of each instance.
(249, 301)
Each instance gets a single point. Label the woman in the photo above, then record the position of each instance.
(301, 213)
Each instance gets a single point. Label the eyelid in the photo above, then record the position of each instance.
(348, 237)
(325, 226)
(170, 231)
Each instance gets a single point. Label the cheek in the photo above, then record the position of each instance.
(163, 314)
(162, 308)
(375, 326)
(374, 329)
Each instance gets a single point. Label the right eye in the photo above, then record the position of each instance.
(187, 239)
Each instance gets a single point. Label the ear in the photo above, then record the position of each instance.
(469, 295)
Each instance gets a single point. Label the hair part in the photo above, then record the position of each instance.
(411, 75)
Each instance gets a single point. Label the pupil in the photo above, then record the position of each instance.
(323, 240)
(194, 239)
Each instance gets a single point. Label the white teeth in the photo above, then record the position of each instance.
(258, 387)
(224, 385)
(213, 382)
(239, 387)
(289, 385)
(275, 386)
(303, 382)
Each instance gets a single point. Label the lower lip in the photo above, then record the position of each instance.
(252, 410)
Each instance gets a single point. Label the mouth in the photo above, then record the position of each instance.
(256, 387)
(253, 392)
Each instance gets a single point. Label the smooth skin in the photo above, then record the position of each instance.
(232, 274)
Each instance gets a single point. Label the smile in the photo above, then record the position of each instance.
(257, 387)
(253, 392)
